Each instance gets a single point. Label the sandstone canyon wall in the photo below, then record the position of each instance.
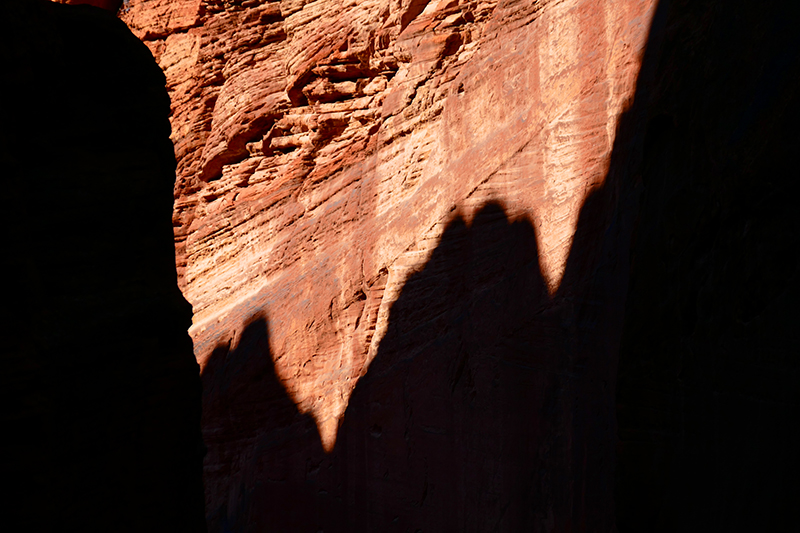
(323, 146)
(404, 228)
(374, 220)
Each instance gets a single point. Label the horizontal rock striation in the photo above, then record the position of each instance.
(322, 145)
(324, 149)
(408, 228)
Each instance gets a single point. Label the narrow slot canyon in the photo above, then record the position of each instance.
(400, 265)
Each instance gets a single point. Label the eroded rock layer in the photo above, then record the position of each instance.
(364, 186)
(322, 145)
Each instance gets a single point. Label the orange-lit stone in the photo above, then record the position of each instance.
(324, 146)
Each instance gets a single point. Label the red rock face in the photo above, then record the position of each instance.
(352, 177)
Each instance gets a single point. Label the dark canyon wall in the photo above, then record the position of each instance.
(455, 266)
(486, 406)
(708, 372)
(100, 389)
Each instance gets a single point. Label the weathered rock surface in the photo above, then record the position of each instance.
(100, 390)
(341, 164)
(323, 145)
(404, 229)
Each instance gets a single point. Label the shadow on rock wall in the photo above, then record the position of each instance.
(245, 406)
(492, 406)
(446, 429)
(480, 411)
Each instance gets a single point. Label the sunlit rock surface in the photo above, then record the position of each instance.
(423, 240)
(322, 145)
(325, 150)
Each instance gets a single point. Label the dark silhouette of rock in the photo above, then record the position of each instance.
(491, 405)
(481, 410)
(244, 403)
(101, 395)
(460, 423)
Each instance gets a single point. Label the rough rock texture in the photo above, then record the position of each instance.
(100, 392)
(404, 228)
(323, 145)
(348, 174)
